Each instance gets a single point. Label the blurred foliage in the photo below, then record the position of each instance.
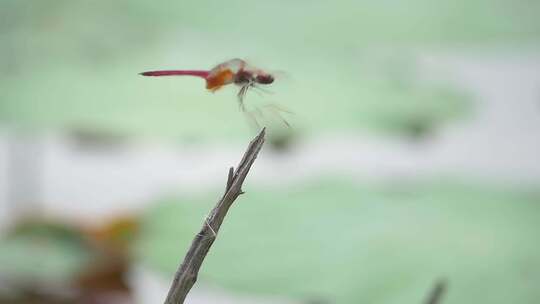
(74, 64)
(44, 261)
(43, 251)
(381, 243)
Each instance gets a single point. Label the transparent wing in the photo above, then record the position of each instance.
(266, 115)
(234, 65)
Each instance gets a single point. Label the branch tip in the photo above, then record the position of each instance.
(186, 275)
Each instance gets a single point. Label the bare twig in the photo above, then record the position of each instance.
(186, 275)
(436, 294)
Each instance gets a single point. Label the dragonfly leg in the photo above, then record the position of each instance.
(242, 93)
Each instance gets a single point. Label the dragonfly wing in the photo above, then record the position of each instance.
(277, 111)
(234, 65)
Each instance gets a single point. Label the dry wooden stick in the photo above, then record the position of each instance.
(186, 275)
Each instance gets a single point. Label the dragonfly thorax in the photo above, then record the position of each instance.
(243, 77)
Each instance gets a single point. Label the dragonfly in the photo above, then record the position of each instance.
(235, 71)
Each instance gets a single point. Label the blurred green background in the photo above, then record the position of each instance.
(75, 64)
(356, 72)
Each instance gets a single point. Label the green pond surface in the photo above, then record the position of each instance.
(348, 243)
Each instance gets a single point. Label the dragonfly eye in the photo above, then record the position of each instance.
(264, 79)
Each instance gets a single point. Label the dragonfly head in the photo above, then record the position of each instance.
(264, 79)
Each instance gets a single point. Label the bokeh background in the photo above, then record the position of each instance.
(412, 155)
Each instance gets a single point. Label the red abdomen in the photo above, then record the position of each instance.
(196, 73)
